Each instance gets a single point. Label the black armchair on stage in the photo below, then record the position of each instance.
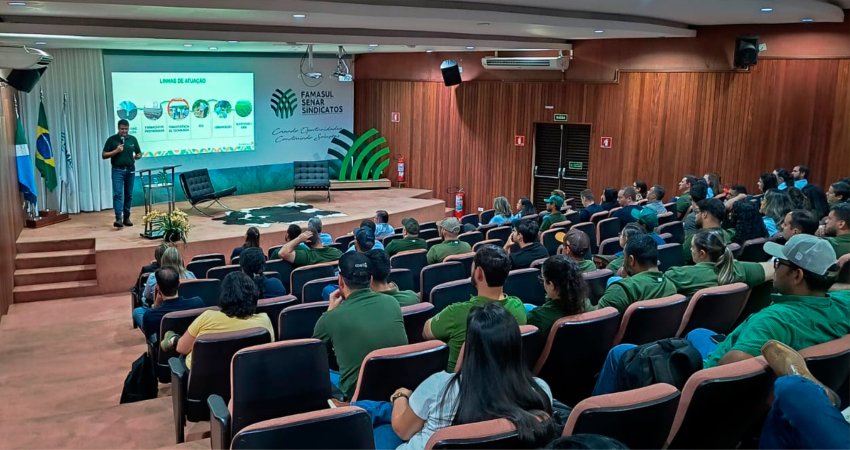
(199, 189)
(311, 176)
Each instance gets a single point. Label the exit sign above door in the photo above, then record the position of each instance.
(561, 117)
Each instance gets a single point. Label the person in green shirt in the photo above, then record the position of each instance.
(122, 149)
(683, 202)
(379, 262)
(802, 314)
(553, 206)
(449, 230)
(715, 266)
(316, 253)
(358, 321)
(615, 264)
(837, 228)
(490, 268)
(710, 217)
(566, 293)
(410, 239)
(575, 244)
(645, 281)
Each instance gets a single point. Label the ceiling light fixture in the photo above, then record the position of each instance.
(187, 45)
(598, 31)
(299, 16)
(213, 48)
(767, 9)
(232, 42)
(17, 3)
(429, 51)
(807, 20)
(469, 47)
(40, 43)
(373, 45)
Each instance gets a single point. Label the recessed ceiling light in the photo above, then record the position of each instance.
(232, 42)
(40, 43)
(807, 20)
(187, 45)
(17, 3)
(373, 45)
(469, 47)
(213, 48)
(299, 16)
(767, 9)
(599, 31)
(429, 51)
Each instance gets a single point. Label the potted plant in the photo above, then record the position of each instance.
(174, 225)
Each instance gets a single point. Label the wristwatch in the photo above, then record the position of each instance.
(397, 395)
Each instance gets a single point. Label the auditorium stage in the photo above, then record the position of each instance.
(88, 245)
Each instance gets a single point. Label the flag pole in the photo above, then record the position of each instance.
(65, 168)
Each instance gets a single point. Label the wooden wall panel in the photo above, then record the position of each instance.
(11, 217)
(664, 125)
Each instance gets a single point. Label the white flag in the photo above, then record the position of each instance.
(69, 177)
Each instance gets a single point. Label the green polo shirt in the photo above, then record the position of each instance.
(550, 219)
(446, 248)
(363, 322)
(586, 265)
(616, 264)
(125, 158)
(796, 321)
(405, 298)
(683, 203)
(545, 315)
(449, 325)
(728, 235)
(315, 255)
(841, 244)
(408, 243)
(690, 279)
(643, 286)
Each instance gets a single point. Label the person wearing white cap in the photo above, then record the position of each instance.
(449, 230)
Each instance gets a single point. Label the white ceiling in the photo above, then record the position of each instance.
(397, 26)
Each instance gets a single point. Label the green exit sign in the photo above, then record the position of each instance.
(576, 165)
(561, 117)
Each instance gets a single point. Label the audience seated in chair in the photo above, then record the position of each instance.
(553, 207)
(609, 199)
(316, 223)
(575, 244)
(645, 281)
(503, 213)
(314, 254)
(627, 199)
(157, 260)
(683, 202)
(715, 266)
(170, 258)
(839, 192)
(238, 303)
(379, 262)
(523, 246)
(798, 221)
(410, 239)
(775, 205)
(473, 394)
(746, 223)
(615, 263)
(382, 224)
(802, 314)
(648, 220)
(590, 206)
(710, 217)
(524, 207)
(566, 293)
(292, 232)
(253, 263)
(836, 231)
(165, 300)
(490, 269)
(655, 198)
(449, 229)
(358, 320)
(252, 239)
(366, 240)
(699, 192)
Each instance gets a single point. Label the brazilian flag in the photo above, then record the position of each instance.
(44, 155)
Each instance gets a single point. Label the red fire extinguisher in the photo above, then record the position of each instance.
(400, 177)
(459, 200)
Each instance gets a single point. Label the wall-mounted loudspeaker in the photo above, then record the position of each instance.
(746, 51)
(451, 72)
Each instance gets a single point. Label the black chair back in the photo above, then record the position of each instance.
(524, 283)
(415, 317)
(313, 289)
(589, 228)
(610, 246)
(670, 255)
(547, 239)
(218, 256)
(273, 307)
(429, 233)
(452, 292)
(406, 365)
(346, 427)
(597, 282)
(501, 233)
(222, 271)
(298, 322)
(676, 228)
(207, 289)
(471, 219)
(471, 237)
(201, 267)
(753, 251)
(178, 322)
(413, 260)
(607, 229)
(486, 216)
(301, 275)
(283, 268)
(403, 278)
(344, 240)
(439, 273)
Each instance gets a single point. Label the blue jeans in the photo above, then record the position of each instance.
(803, 417)
(138, 316)
(381, 414)
(122, 192)
(607, 381)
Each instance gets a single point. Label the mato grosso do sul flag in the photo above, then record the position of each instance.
(44, 150)
(26, 173)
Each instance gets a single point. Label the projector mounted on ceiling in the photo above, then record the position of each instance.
(497, 62)
(342, 72)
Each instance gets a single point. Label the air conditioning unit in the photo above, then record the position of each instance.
(559, 62)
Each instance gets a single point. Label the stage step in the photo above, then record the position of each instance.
(52, 291)
(41, 260)
(55, 246)
(28, 277)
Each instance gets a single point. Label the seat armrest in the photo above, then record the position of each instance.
(179, 382)
(219, 423)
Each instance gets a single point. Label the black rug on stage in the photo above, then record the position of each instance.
(286, 213)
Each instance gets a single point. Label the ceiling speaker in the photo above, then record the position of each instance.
(746, 51)
(451, 72)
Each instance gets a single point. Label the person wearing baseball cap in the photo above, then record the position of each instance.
(358, 320)
(449, 229)
(410, 238)
(575, 244)
(648, 220)
(553, 206)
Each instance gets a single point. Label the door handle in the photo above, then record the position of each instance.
(535, 171)
(560, 172)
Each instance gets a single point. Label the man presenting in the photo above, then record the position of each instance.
(123, 150)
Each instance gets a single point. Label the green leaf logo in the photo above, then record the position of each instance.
(284, 104)
(359, 158)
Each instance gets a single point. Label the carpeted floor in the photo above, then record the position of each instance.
(62, 367)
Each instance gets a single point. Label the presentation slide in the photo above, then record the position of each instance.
(174, 114)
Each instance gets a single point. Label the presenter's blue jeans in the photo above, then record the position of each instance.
(122, 192)
(381, 414)
(139, 315)
(607, 381)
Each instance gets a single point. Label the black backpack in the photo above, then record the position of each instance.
(670, 361)
(141, 383)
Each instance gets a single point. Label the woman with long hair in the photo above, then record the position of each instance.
(503, 211)
(798, 199)
(566, 293)
(253, 263)
(640, 188)
(492, 382)
(252, 239)
(170, 258)
(767, 181)
(817, 199)
(774, 206)
(715, 266)
(524, 207)
(747, 222)
(609, 199)
(712, 179)
(629, 231)
(839, 192)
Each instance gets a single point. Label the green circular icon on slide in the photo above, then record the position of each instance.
(127, 110)
(201, 109)
(223, 109)
(244, 108)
